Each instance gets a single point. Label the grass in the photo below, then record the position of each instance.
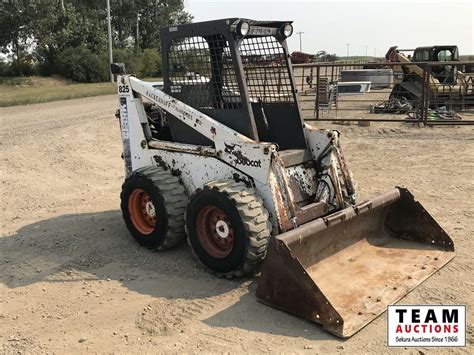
(22, 91)
(32, 90)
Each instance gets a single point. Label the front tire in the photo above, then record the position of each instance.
(228, 227)
(153, 203)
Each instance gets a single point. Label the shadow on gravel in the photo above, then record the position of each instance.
(97, 246)
(249, 314)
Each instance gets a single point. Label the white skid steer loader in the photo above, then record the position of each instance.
(219, 152)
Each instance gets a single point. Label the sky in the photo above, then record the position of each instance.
(368, 26)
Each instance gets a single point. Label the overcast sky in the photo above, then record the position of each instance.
(330, 25)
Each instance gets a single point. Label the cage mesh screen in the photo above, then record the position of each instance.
(267, 75)
(202, 73)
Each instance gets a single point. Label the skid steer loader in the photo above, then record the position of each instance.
(219, 152)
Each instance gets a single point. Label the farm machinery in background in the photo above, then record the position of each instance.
(444, 85)
(220, 155)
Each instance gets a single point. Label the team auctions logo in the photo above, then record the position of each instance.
(426, 325)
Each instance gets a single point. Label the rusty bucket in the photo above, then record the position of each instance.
(341, 271)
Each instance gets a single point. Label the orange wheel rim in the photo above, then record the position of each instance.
(215, 232)
(142, 211)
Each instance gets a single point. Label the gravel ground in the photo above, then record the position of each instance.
(73, 280)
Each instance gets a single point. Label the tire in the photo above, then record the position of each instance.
(153, 203)
(228, 228)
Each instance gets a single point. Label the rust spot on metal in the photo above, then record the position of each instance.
(176, 172)
(242, 178)
(349, 183)
(284, 222)
(182, 148)
(229, 148)
(160, 161)
(303, 182)
(281, 205)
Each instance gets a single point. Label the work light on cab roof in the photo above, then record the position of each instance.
(287, 30)
(244, 28)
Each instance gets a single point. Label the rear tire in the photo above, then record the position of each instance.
(153, 203)
(228, 228)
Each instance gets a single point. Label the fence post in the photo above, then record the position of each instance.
(427, 93)
(423, 89)
(317, 92)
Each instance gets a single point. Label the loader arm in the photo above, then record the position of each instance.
(201, 122)
(416, 70)
(222, 136)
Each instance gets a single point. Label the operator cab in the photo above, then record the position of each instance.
(446, 74)
(436, 54)
(236, 71)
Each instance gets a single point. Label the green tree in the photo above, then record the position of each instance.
(151, 60)
(323, 56)
(148, 15)
(16, 31)
(156, 14)
(47, 28)
(56, 29)
(124, 18)
(81, 64)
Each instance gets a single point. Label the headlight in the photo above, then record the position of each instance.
(287, 30)
(243, 28)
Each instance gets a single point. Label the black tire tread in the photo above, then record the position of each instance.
(254, 217)
(175, 198)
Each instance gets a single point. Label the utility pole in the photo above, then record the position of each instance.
(366, 51)
(301, 46)
(109, 30)
(348, 45)
(138, 32)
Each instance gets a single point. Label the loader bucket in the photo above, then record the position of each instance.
(341, 271)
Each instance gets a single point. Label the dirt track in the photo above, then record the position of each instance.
(73, 280)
